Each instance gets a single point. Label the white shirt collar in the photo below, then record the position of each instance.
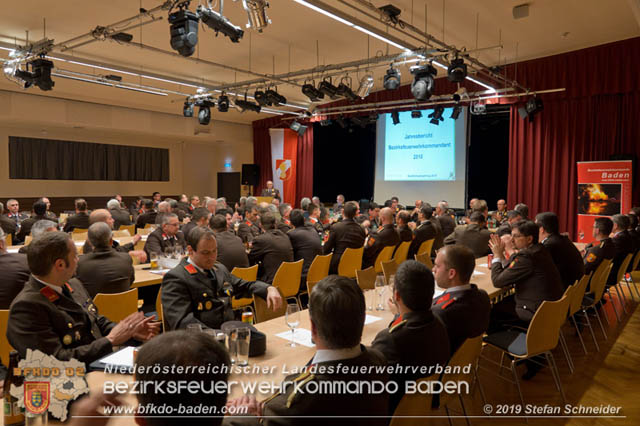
(327, 355)
(55, 287)
(542, 242)
(194, 264)
(458, 288)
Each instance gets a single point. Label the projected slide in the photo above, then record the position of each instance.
(416, 150)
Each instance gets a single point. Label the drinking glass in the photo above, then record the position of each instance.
(369, 297)
(243, 340)
(380, 287)
(292, 317)
(153, 259)
(194, 328)
(232, 344)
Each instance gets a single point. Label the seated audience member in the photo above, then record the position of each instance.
(148, 215)
(447, 224)
(304, 205)
(104, 270)
(284, 224)
(39, 213)
(513, 216)
(623, 244)
(270, 249)
(316, 200)
(163, 208)
(374, 216)
(337, 312)
(135, 208)
(425, 231)
(249, 228)
(385, 236)
(404, 232)
(523, 209)
(602, 248)
(415, 338)
(39, 228)
(13, 211)
(475, 235)
(120, 216)
(194, 202)
(463, 307)
(156, 198)
(103, 215)
(480, 206)
(337, 206)
(415, 211)
(199, 217)
(80, 219)
(314, 218)
(199, 289)
(564, 253)
(634, 234)
(501, 213)
(166, 237)
(306, 243)
(7, 224)
(49, 214)
(231, 251)
(14, 272)
(54, 313)
(344, 234)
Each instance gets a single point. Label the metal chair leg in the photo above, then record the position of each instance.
(626, 281)
(515, 378)
(446, 409)
(555, 368)
(601, 326)
(464, 410)
(604, 313)
(553, 373)
(484, 398)
(593, 336)
(622, 297)
(565, 349)
(501, 364)
(575, 324)
(614, 305)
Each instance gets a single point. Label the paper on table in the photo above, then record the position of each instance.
(478, 273)
(122, 358)
(301, 336)
(13, 250)
(371, 319)
(160, 271)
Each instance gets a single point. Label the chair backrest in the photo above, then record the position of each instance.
(402, 251)
(80, 230)
(159, 310)
(366, 278)
(287, 278)
(247, 274)
(5, 346)
(426, 246)
(599, 279)
(130, 228)
(150, 226)
(384, 256)
(27, 240)
(79, 236)
(623, 267)
(8, 241)
(425, 259)
(636, 261)
(544, 328)
(263, 313)
(414, 407)
(117, 306)
(578, 293)
(120, 233)
(319, 268)
(467, 354)
(350, 261)
(389, 269)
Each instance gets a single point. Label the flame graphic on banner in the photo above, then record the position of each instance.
(595, 192)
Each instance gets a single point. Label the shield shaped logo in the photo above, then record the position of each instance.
(283, 169)
(36, 397)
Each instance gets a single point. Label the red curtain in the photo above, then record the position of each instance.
(262, 157)
(304, 166)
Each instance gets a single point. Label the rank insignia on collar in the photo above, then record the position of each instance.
(78, 337)
(49, 293)
(200, 306)
(443, 298)
(68, 287)
(448, 303)
(191, 269)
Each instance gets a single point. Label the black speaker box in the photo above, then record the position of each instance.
(250, 174)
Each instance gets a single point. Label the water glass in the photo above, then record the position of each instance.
(292, 318)
(243, 341)
(194, 328)
(232, 344)
(380, 287)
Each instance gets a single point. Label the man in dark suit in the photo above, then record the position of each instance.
(13, 211)
(120, 216)
(402, 222)
(424, 231)
(475, 235)
(270, 249)
(314, 218)
(602, 248)
(8, 225)
(385, 236)
(200, 217)
(415, 338)
(231, 251)
(344, 234)
(306, 243)
(463, 308)
(199, 290)
(623, 244)
(49, 214)
(105, 270)
(249, 228)
(54, 313)
(148, 216)
(564, 253)
(103, 215)
(167, 236)
(270, 191)
(14, 272)
(447, 224)
(80, 219)
(39, 213)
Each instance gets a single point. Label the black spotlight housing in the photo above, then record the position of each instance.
(204, 115)
(328, 88)
(416, 114)
(391, 79)
(40, 74)
(219, 23)
(223, 103)
(423, 81)
(184, 31)
(261, 98)
(246, 105)
(534, 105)
(274, 98)
(456, 112)
(297, 127)
(344, 90)
(457, 71)
(436, 115)
(187, 110)
(310, 91)
(395, 116)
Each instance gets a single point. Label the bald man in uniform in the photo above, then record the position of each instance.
(385, 236)
(270, 191)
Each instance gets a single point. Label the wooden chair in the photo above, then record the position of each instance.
(287, 279)
(634, 274)
(75, 236)
(117, 306)
(27, 240)
(425, 259)
(388, 270)
(384, 256)
(120, 233)
(8, 241)
(619, 275)
(263, 313)
(247, 274)
(575, 304)
(130, 228)
(5, 346)
(318, 270)
(159, 310)
(366, 278)
(350, 261)
(597, 284)
(414, 407)
(79, 231)
(150, 226)
(401, 252)
(426, 247)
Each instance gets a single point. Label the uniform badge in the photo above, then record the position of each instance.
(70, 325)
(200, 306)
(67, 339)
(191, 269)
(371, 241)
(443, 298)
(78, 337)
(204, 294)
(49, 293)
(448, 303)
(208, 305)
(591, 258)
(36, 397)
(69, 287)
(513, 262)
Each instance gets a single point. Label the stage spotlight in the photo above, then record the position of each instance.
(416, 114)
(423, 82)
(328, 88)
(219, 23)
(246, 105)
(184, 31)
(346, 91)
(187, 110)
(456, 112)
(325, 123)
(257, 14)
(297, 127)
(457, 71)
(274, 98)
(436, 115)
(122, 37)
(342, 122)
(366, 84)
(395, 116)
(310, 91)
(223, 103)
(40, 74)
(391, 79)
(204, 115)
(533, 106)
(261, 98)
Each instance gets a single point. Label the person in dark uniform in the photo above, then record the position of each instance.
(342, 235)
(200, 217)
(424, 231)
(475, 235)
(602, 248)
(463, 307)
(54, 313)
(338, 205)
(623, 244)
(385, 236)
(119, 215)
(105, 270)
(513, 216)
(148, 215)
(80, 219)
(7, 224)
(501, 214)
(270, 191)
(306, 243)
(270, 249)
(314, 218)
(249, 228)
(49, 214)
(402, 222)
(231, 251)
(564, 253)
(14, 273)
(13, 211)
(103, 215)
(635, 236)
(337, 319)
(374, 216)
(415, 338)
(39, 213)
(199, 289)
(446, 221)
(168, 236)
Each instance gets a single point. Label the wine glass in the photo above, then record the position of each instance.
(292, 317)
(380, 286)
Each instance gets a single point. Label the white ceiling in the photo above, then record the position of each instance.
(289, 43)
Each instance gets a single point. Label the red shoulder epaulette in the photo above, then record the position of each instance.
(248, 223)
(596, 244)
(69, 287)
(448, 303)
(397, 321)
(191, 269)
(49, 293)
(443, 298)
